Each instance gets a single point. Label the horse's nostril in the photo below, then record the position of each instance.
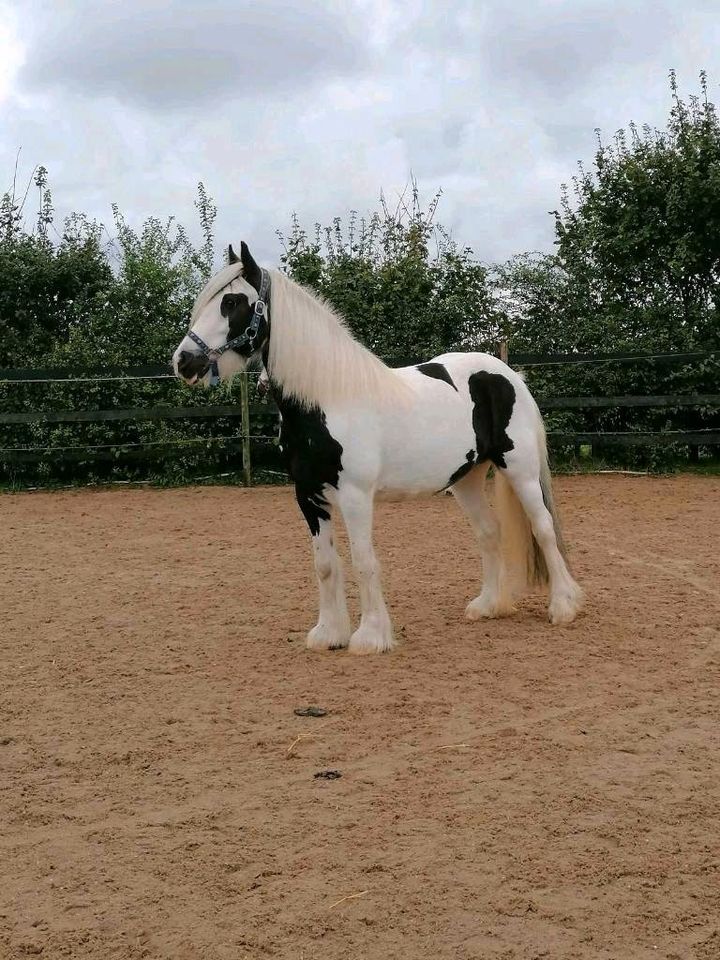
(191, 366)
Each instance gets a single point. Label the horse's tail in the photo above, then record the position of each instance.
(546, 485)
(525, 560)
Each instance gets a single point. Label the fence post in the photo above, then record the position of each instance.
(504, 351)
(245, 407)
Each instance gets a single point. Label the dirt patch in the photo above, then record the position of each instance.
(508, 789)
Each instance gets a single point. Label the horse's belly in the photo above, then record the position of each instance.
(421, 454)
(415, 449)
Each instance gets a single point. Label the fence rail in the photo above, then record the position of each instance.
(85, 374)
(120, 450)
(267, 410)
(151, 450)
(551, 359)
(693, 438)
(133, 413)
(582, 403)
(639, 437)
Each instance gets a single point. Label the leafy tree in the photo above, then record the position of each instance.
(404, 287)
(157, 274)
(74, 297)
(44, 288)
(640, 238)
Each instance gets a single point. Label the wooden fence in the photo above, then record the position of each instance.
(249, 414)
(245, 413)
(693, 438)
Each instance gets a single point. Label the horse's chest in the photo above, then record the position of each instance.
(313, 457)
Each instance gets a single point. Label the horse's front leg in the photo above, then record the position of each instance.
(333, 628)
(374, 635)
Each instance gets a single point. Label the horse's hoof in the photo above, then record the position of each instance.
(367, 640)
(559, 615)
(485, 608)
(564, 608)
(322, 637)
(561, 612)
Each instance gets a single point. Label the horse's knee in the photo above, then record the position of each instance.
(323, 567)
(323, 556)
(365, 565)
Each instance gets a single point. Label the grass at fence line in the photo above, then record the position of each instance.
(708, 466)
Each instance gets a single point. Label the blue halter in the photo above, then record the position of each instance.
(214, 354)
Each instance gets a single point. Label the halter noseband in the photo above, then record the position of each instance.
(259, 311)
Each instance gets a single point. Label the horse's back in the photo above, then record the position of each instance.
(486, 382)
(456, 369)
(467, 364)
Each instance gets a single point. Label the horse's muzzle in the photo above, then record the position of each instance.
(192, 366)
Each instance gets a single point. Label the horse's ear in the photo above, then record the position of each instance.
(251, 271)
(232, 256)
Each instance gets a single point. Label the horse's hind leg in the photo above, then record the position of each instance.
(524, 473)
(494, 599)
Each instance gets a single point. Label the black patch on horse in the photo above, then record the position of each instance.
(313, 457)
(437, 371)
(493, 398)
(465, 468)
(238, 311)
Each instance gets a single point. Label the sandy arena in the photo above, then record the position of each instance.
(508, 789)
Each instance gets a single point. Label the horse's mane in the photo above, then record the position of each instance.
(315, 358)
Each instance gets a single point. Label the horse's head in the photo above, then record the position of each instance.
(229, 323)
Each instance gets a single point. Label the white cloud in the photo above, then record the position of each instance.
(11, 51)
(492, 103)
(170, 55)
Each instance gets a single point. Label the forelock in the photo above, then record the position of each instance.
(212, 288)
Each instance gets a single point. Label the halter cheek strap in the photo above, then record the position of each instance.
(248, 337)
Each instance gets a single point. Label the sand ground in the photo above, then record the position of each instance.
(508, 789)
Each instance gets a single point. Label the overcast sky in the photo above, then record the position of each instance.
(282, 105)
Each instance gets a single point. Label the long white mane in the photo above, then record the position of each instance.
(315, 358)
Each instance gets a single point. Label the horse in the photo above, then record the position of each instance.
(352, 427)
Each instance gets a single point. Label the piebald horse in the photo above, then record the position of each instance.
(352, 426)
